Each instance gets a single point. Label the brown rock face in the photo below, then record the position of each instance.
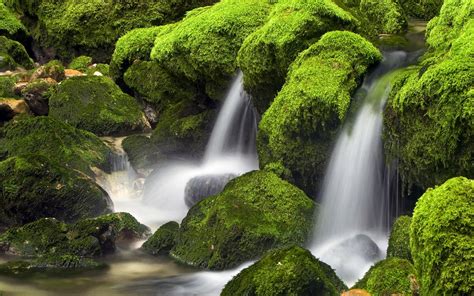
(72, 73)
(356, 292)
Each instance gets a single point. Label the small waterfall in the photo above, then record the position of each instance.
(350, 231)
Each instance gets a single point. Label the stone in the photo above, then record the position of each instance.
(200, 187)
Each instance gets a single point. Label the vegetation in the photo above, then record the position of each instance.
(255, 212)
(286, 271)
(81, 63)
(10, 25)
(13, 55)
(298, 129)
(386, 15)
(441, 238)
(163, 240)
(399, 241)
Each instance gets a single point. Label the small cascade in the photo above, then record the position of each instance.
(350, 234)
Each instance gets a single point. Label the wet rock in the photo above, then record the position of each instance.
(9, 108)
(163, 240)
(363, 245)
(200, 187)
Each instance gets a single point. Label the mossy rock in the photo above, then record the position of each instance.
(81, 63)
(182, 130)
(53, 69)
(202, 48)
(70, 28)
(13, 54)
(441, 240)
(7, 84)
(423, 9)
(37, 94)
(163, 240)
(10, 25)
(58, 141)
(428, 121)
(51, 265)
(93, 237)
(35, 187)
(298, 129)
(393, 276)
(141, 152)
(101, 68)
(387, 15)
(287, 271)
(96, 104)
(291, 27)
(399, 240)
(255, 212)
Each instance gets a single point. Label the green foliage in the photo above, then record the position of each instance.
(15, 53)
(81, 63)
(441, 239)
(291, 27)
(6, 86)
(50, 238)
(141, 152)
(399, 241)
(163, 240)
(9, 24)
(298, 128)
(60, 142)
(287, 271)
(255, 212)
(387, 15)
(31, 184)
(91, 27)
(203, 47)
(393, 276)
(424, 9)
(96, 104)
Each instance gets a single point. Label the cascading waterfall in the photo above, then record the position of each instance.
(350, 231)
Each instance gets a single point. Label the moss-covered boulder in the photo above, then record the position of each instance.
(287, 271)
(298, 129)
(53, 69)
(387, 16)
(10, 25)
(7, 84)
(11, 108)
(37, 94)
(255, 212)
(72, 28)
(80, 63)
(141, 152)
(96, 104)
(58, 141)
(423, 9)
(33, 187)
(441, 239)
(428, 121)
(203, 47)
(291, 27)
(163, 240)
(13, 54)
(393, 276)
(399, 240)
(93, 237)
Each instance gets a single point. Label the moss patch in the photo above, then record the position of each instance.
(387, 16)
(13, 55)
(399, 241)
(441, 238)
(287, 271)
(141, 152)
(163, 240)
(81, 63)
(255, 212)
(298, 129)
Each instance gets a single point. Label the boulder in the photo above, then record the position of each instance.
(7, 85)
(80, 63)
(141, 152)
(53, 69)
(200, 187)
(72, 73)
(13, 54)
(255, 212)
(37, 94)
(399, 240)
(10, 108)
(361, 245)
(163, 240)
(287, 271)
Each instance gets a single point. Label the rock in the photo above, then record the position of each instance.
(256, 212)
(141, 152)
(53, 69)
(13, 54)
(399, 240)
(163, 240)
(35, 187)
(151, 115)
(441, 238)
(89, 238)
(72, 73)
(98, 105)
(81, 63)
(9, 108)
(7, 84)
(200, 187)
(37, 93)
(19, 87)
(287, 271)
(387, 16)
(362, 245)
(356, 292)
(389, 277)
(298, 129)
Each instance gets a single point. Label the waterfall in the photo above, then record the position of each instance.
(350, 234)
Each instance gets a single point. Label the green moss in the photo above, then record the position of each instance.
(60, 142)
(81, 63)
(104, 69)
(96, 104)
(399, 241)
(288, 271)
(298, 128)
(6, 86)
(9, 24)
(85, 27)
(423, 9)
(53, 69)
(291, 27)
(441, 238)
(388, 277)
(141, 152)
(163, 240)
(387, 15)
(255, 212)
(33, 187)
(13, 54)
(203, 47)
